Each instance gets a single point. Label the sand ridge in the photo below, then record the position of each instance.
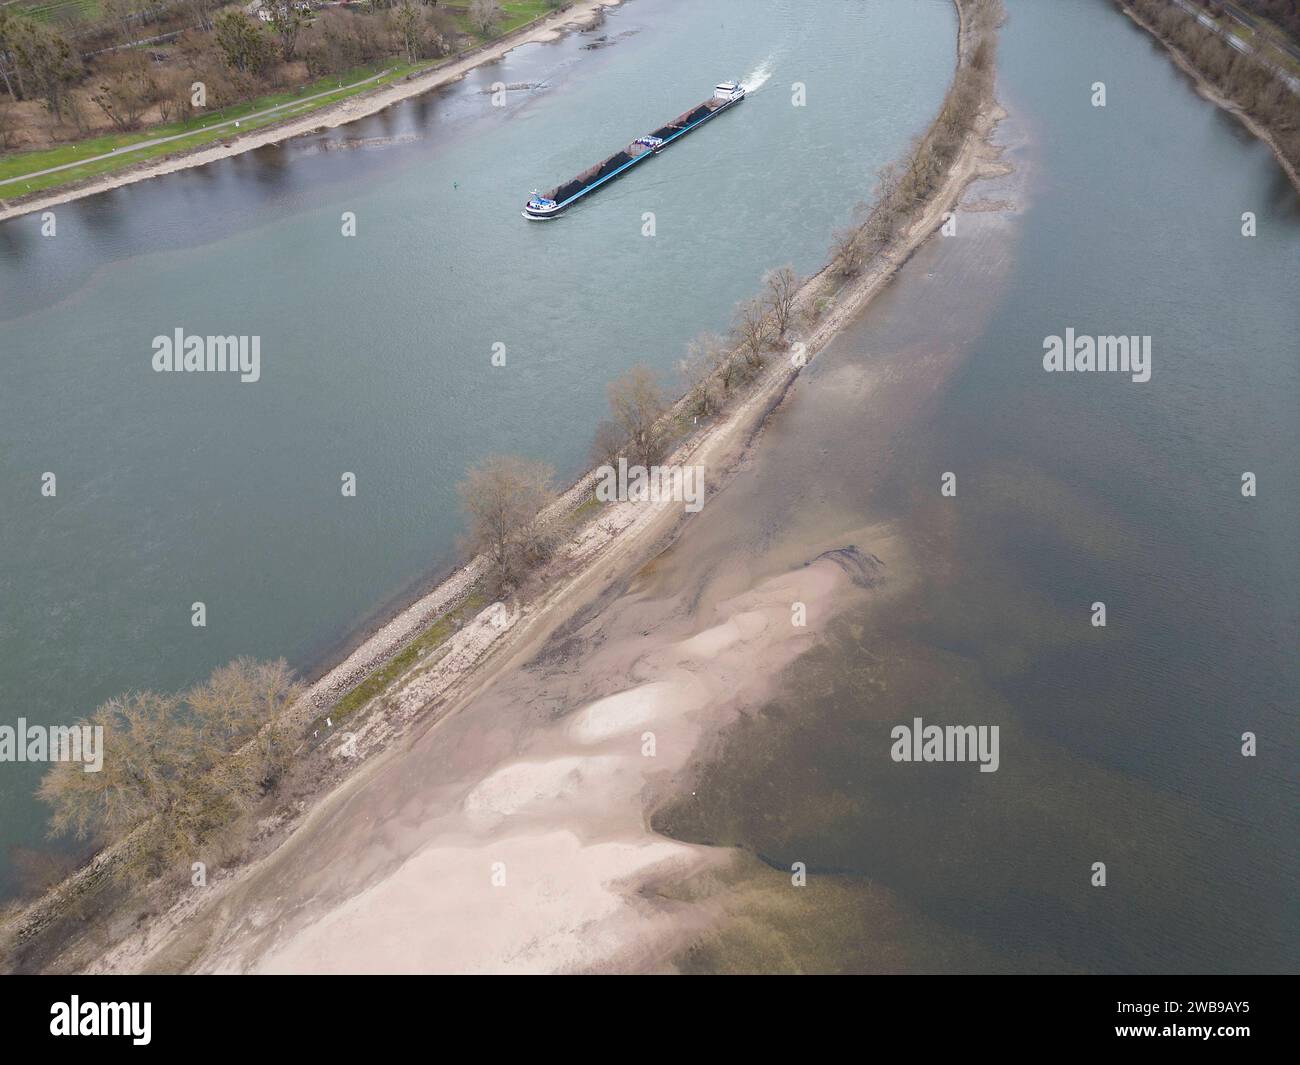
(543, 866)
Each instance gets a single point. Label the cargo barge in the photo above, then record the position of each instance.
(545, 205)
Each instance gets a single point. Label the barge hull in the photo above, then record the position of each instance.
(565, 195)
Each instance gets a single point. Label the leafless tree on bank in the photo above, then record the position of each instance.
(782, 288)
(191, 765)
(502, 496)
(638, 405)
(608, 444)
(752, 328)
(700, 371)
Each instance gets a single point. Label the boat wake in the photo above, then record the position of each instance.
(757, 78)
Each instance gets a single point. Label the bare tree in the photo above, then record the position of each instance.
(638, 406)
(287, 20)
(127, 89)
(12, 29)
(409, 27)
(125, 13)
(173, 95)
(8, 127)
(72, 104)
(245, 705)
(782, 288)
(201, 12)
(608, 444)
(182, 769)
(151, 745)
(727, 368)
(502, 495)
(242, 42)
(700, 369)
(847, 251)
(484, 15)
(888, 178)
(46, 54)
(752, 328)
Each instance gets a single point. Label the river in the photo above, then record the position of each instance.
(792, 840)
(376, 349)
(1119, 744)
(1123, 744)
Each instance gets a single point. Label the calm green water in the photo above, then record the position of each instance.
(375, 350)
(1121, 744)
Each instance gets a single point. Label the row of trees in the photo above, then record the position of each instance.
(716, 366)
(187, 765)
(504, 494)
(88, 77)
(36, 60)
(40, 58)
(182, 771)
(904, 186)
(39, 61)
(1242, 78)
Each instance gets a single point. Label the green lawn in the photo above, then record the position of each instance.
(517, 14)
(51, 10)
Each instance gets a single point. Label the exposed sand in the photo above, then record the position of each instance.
(560, 823)
(578, 15)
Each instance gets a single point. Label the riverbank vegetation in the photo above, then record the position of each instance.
(502, 496)
(190, 765)
(421, 648)
(77, 81)
(1244, 78)
(904, 186)
(717, 369)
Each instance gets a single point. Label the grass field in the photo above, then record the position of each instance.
(516, 15)
(56, 10)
